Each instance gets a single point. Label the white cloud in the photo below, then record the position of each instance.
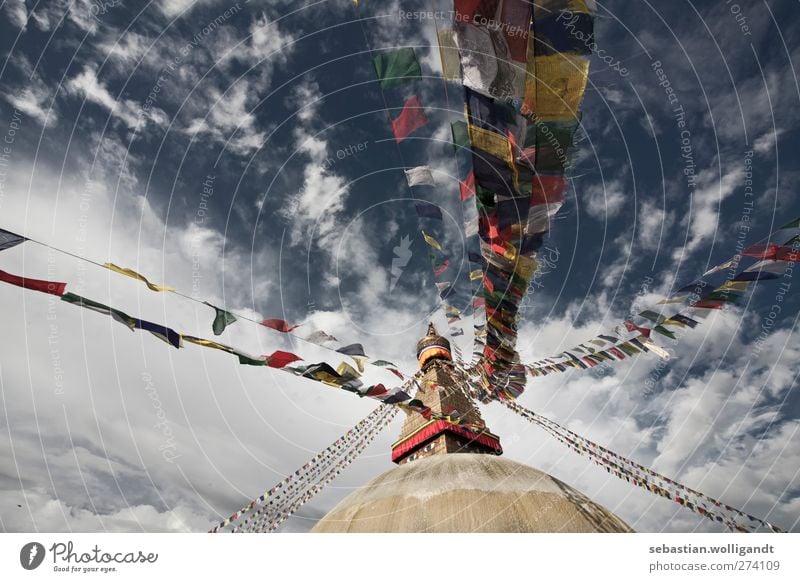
(17, 12)
(87, 85)
(768, 142)
(605, 200)
(712, 189)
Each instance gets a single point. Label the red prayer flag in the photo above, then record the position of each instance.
(763, 252)
(548, 190)
(788, 254)
(630, 326)
(467, 187)
(488, 284)
(278, 325)
(710, 304)
(51, 287)
(410, 119)
(279, 359)
(442, 268)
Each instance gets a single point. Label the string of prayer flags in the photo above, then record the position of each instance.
(420, 176)
(643, 477)
(222, 319)
(279, 325)
(275, 500)
(50, 287)
(9, 239)
(411, 118)
(396, 67)
(134, 275)
(359, 447)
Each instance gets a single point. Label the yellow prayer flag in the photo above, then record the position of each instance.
(679, 299)
(208, 343)
(476, 275)
(345, 369)
(134, 275)
(560, 84)
(431, 241)
(491, 143)
(733, 286)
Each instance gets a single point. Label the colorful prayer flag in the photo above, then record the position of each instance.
(279, 359)
(9, 239)
(428, 210)
(410, 119)
(50, 287)
(420, 176)
(134, 275)
(222, 319)
(279, 325)
(353, 350)
(431, 241)
(396, 67)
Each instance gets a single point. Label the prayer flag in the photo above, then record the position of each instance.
(222, 319)
(163, 333)
(664, 331)
(657, 350)
(428, 210)
(9, 239)
(420, 176)
(441, 268)
(279, 325)
(134, 275)
(431, 241)
(458, 129)
(793, 224)
(396, 67)
(120, 316)
(761, 251)
(279, 359)
(320, 337)
(352, 350)
(467, 187)
(410, 119)
(50, 287)
(683, 320)
(762, 270)
(721, 267)
(448, 51)
(652, 316)
(630, 326)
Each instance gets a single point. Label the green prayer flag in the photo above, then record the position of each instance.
(664, 331)
(793, 224)
(460, 135)
(222, 319)
(396, 67)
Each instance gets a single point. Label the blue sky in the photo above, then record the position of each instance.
(124, 110)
